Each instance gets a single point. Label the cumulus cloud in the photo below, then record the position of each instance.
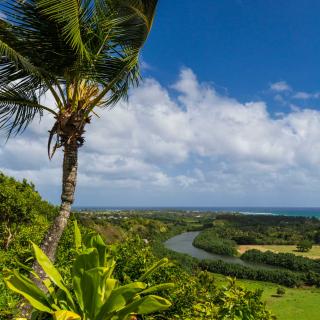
(280, 86)
(190, 144)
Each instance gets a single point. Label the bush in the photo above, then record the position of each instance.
(281, 291)
(304, 246)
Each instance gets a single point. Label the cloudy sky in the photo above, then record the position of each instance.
(227, 115)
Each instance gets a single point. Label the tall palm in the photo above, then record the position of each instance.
(85, 53)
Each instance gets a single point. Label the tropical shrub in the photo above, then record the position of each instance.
(95, 294)
(239, 303)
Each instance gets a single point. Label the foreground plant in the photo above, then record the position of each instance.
(95, 294)
(85, 54)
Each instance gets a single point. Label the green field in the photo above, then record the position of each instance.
(296, 304)
(314, 253)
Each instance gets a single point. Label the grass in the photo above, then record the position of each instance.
(295, 304)
(314, 253)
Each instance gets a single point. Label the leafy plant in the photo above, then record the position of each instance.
(95, 294)
(239, 303)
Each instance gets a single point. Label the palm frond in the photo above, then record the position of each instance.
(37, 39)
(13, 55)
(18, 108)
(124, 27)
(69, 14)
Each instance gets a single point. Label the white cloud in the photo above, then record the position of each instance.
(199, 142)
(301, 95)
(280, 86)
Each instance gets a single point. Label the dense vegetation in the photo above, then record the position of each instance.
(284, 260)
(195, 294)
(266, 229)
(283, 277)
(136, 242)
(228, 230)
(210, 241)
(24, 216)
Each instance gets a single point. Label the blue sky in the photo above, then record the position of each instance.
(239, 45)
(227, 115)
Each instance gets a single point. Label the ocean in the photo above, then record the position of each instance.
(287, 211)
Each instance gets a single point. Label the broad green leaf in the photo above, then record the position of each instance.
(145, 305)
(96, 289)
(88, 259)
(153, 268)
(51, 271)
(25, 287)
(120, 297)
(65, 315)
(77, 236)
(96, 241)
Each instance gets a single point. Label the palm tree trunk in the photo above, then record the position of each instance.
(69, 179)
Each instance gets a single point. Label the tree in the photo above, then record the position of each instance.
(85, 54)
(304, 246)
(19, 203)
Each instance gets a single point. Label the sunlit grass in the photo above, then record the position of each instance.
(295, 304)
(314, 253)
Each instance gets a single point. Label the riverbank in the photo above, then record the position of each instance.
(182, 243)
(297, 303)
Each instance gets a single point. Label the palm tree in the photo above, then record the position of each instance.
(85, 53)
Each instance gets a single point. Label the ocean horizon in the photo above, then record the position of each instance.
(286, 211)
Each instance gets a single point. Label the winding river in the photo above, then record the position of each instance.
(182, 243)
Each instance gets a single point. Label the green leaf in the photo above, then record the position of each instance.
(25, 287)
(159, 287)
(13, 55)
(77, 236)
(153, 268)
(120, 297)
(87, 260)
(94, 240)
(68, 14)
(96, 288)
(145, 305)
(51, 271)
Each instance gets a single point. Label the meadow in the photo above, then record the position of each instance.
(296, 303)
(314, 253)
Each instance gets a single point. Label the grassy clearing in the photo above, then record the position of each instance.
(314, 253)
(301, 303)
